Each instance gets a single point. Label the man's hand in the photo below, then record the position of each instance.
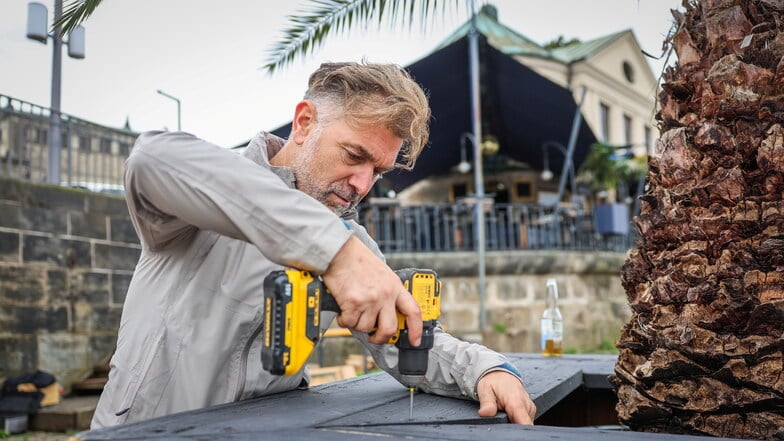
(500, 390)
(370, 294)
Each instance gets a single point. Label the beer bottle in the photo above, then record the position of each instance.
(552, 323)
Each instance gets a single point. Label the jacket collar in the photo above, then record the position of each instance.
(266, 145)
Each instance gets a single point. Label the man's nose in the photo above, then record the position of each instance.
(362, 179)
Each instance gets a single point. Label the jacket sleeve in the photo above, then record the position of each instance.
(454, 366)
(177, 184)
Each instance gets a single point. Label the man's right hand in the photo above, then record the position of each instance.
(369, 294)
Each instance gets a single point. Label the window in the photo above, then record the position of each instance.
(628, 71)
(84, 143)
(627, 129)
(648, 140)
(106, 145)
(459, 190)
(523, 189)
(604, 120)
(124, 149)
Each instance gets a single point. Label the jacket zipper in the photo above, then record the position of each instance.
(244, 361)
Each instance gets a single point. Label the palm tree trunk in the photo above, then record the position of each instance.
(702, 353)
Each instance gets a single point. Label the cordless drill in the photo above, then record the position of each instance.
(293, 300)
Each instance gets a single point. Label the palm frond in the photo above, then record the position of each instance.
(308, 29)
(74, 13)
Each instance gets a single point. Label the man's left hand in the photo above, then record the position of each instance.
(500, 390)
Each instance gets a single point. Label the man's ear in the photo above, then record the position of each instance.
(304, 121)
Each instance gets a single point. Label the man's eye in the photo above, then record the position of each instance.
(353, 157)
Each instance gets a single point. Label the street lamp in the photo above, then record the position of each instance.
(36, 30)
(547, 174)
(177, 100)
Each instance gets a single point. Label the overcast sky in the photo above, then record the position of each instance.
(209, 54)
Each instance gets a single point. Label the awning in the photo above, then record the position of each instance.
(520, 108)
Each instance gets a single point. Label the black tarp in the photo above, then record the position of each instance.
(521, 108)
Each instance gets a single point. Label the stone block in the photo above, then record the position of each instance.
(120, 284)
(508, 342)
(32, 319)
(460, 321)
(107, 204)
(88, 224)
(19, 355)
(10, 214)
(511, 289)
(9, 247)
(64, 252)
(513, 319)
(106, 318)
(89, 319)
(45, 220)
(12, 189)
(51, 196)
(122, 230)
(101, 348)
(118, 257)
(57, 285)
(93, 288)
(21, 284)
(65, 355)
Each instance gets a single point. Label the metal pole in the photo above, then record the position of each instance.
(476, 114)
(55, 138)
(572, 141)
(177, 100)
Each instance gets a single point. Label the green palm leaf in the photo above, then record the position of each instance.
(74, 13)
(310, 26)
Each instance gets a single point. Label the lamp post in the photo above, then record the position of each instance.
(36, 30)
(177, 100)
(476, 137)
(547, 174)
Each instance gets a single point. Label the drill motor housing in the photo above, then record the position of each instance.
(294, 299)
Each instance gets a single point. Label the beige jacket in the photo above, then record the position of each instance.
(213, 224)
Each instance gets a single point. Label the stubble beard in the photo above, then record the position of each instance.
(307, 168)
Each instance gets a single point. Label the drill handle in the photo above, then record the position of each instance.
(328, 302)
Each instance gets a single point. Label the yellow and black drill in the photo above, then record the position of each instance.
(294, 299)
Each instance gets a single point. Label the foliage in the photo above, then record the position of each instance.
(309, 27)
(499, 328)
(603, 169)
(74, 13)
(561, 41)
(4, 434)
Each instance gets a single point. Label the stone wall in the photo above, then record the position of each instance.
(66, 259)
(592, 300)
(67, 256)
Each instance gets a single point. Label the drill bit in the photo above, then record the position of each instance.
(410, 403)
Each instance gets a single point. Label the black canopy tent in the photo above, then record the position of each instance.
(520, 108)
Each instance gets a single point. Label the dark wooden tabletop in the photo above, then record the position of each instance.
(375, 407)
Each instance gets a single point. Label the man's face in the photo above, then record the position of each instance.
(338, 164)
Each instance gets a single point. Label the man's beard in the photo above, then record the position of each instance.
(306, 170)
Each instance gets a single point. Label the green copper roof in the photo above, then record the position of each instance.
(580, 51)
(511, 42)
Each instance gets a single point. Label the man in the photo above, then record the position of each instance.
(213, 224)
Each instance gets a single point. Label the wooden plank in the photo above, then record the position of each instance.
(70, 414)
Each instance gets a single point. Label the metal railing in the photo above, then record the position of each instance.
(514, 226)
(92, 155)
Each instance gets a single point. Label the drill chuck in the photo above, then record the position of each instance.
(413, 360)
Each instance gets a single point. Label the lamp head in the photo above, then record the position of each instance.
(464, 167)
(547, 175)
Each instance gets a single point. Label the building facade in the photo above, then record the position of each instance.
(92, 155)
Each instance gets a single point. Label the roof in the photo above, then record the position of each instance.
(511, 42)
